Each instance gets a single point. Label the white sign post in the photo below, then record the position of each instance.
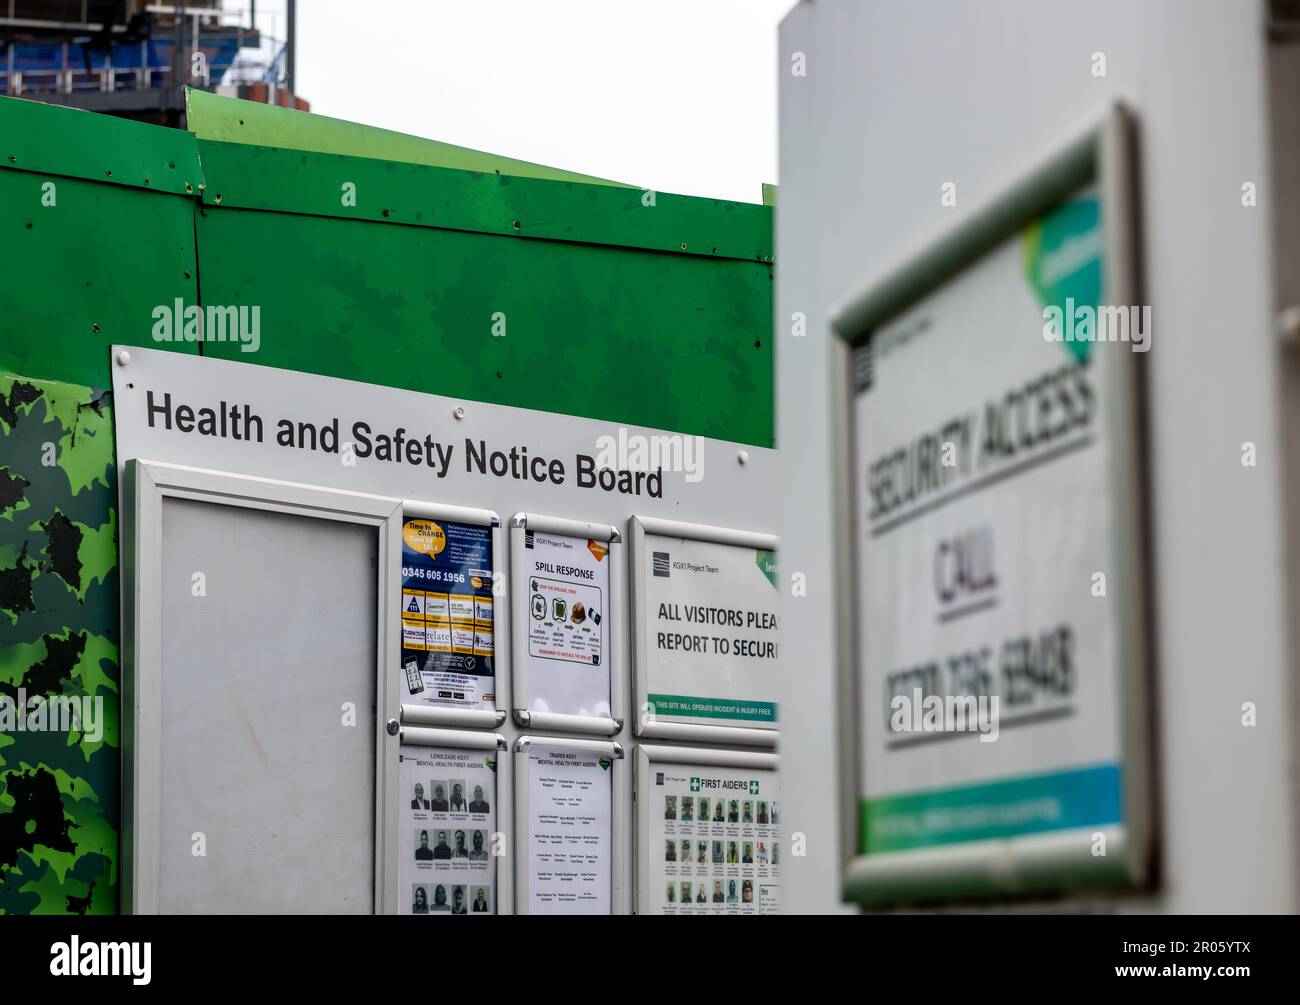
(994, 698)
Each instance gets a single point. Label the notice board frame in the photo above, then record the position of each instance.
(616, 616)
(650, 754)
(618, 822)
(644, 722)
(463, 739)
(416, 714)
(147, 485)
(1105, 155)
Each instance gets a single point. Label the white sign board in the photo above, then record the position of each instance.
(996, 570)
(707, 646)
(446, 837)
(445, 461)
(570, 828)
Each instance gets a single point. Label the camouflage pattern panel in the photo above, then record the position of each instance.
(59, 676)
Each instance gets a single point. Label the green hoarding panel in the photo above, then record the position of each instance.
(83, 266)
(294, 181)
(642, 337)
(59, 791)
(79, 144)
(214, 117)
(96, 229)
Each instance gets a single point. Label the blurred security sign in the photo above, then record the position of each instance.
(998, 651)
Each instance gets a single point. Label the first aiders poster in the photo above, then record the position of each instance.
(448, 839)
(569, 622)
(448, 614)
(708, 632)
(987, 508)
(713, 842)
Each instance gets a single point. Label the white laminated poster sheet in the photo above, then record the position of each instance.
(567, 588)
(712, 843)
(445, 841)
(570, 829)
(707, 644)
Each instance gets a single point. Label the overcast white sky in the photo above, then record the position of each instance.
(674, 95)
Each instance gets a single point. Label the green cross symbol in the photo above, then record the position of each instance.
(753, 788)
(695, 785)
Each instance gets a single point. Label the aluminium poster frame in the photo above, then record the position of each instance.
(647, 757)
(464, 739)
(1103, 155)
(644, 721)
(618, 813)
(525, 718)
(468, 718)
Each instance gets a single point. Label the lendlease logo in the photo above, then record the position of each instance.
(102, 959)
(175, 322)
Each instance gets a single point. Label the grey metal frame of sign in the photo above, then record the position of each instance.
(468, 739)
(647, 756)
(1105, 155)
(645, 723)
(147, 485)
(468, 718)
(617, 816)
(617, 663)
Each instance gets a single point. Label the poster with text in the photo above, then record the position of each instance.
(713, 845)
(707, 628)
(568, 624)
(445, 841)
(570, 831)
(992, 675)
(448, 616)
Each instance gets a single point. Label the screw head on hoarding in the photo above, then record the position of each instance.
(743, 457)
(460, 412)
(123, 357)
(393, 727)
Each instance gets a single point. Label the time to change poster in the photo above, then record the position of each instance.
(570, 831)
(448, 615)
(708, 632)
(445, 842)
(568, 624)
(713, 841)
